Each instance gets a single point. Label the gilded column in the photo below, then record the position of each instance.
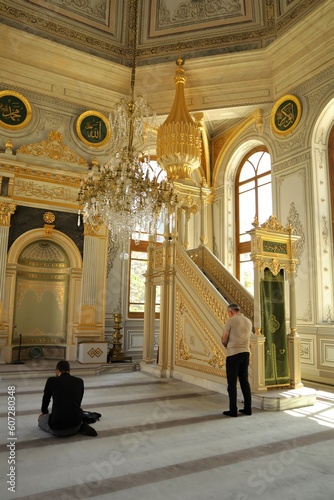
(257, 340)
(6, 210)
(149, 314)
(93, 279)
(166, 314)
(293, 337)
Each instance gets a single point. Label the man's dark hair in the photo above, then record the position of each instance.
(233, 307)
(63, 366)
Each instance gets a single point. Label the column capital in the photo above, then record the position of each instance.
(6, 210)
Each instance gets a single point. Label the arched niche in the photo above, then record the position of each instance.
(43, 290)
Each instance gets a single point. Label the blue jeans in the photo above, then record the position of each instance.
(237, 367)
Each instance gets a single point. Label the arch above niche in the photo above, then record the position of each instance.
(68, 246)
(44, 253)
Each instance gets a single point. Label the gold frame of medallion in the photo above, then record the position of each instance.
(276, 106)
(27, 105)
(105, 121)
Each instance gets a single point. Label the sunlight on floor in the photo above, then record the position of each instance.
(322, 412)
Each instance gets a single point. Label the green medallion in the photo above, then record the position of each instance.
(93, 128)
(15, 110)
(286, 115)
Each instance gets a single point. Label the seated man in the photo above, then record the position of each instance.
(66, 392)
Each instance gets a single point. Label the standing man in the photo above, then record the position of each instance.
(66, 392)
(236, 339)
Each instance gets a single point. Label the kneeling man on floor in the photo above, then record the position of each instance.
(66, 392)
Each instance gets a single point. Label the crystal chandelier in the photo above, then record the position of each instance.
(128, 194)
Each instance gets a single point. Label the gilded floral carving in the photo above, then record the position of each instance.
(54, 149)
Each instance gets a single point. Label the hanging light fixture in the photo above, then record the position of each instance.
(129, 195)
(179, 145)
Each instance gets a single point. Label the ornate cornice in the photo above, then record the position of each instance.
(40, 175)
(292, 162)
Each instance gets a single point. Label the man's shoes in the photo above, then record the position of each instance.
(245, 412)
(230, 414)
(87, 430)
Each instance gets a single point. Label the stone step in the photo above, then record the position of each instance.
(43, 368)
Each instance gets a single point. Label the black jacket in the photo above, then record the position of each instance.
(66, 392)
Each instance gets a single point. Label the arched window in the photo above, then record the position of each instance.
(253, 199)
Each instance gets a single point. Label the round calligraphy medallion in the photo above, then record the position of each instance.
(15, 110)
(286, 115)
(93, 128)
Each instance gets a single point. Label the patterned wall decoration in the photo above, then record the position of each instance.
(197, 348)
(102, 14)
(27, 218)
(168, 15)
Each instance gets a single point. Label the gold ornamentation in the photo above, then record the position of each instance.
(197, 281)
(221, 143)
(212, 359)
(273, 324)
(275, 247)
(40, 288)
(44, 191)
(48, 229)
(49, 176)
(6, 210)
(93, 229)
(49, 217)
(273, 224)
(222, 279)
(179, 144)
(53, 148)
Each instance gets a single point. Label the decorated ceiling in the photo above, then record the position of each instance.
(196, 28)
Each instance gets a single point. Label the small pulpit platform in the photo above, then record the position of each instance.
(287, 399)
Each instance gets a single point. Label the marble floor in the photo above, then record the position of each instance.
(164, 439)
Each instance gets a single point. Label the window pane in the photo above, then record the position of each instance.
(137, 308)
(138, 255)
(265, 164)
(247, 172)
(265, 203)
(255, 159)
(137, 288)
(245, 237)
(246, 211)
(138, 267)
(257, 202)
(245, 257)
(266, 179)
(247, 186)
(247, 275)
